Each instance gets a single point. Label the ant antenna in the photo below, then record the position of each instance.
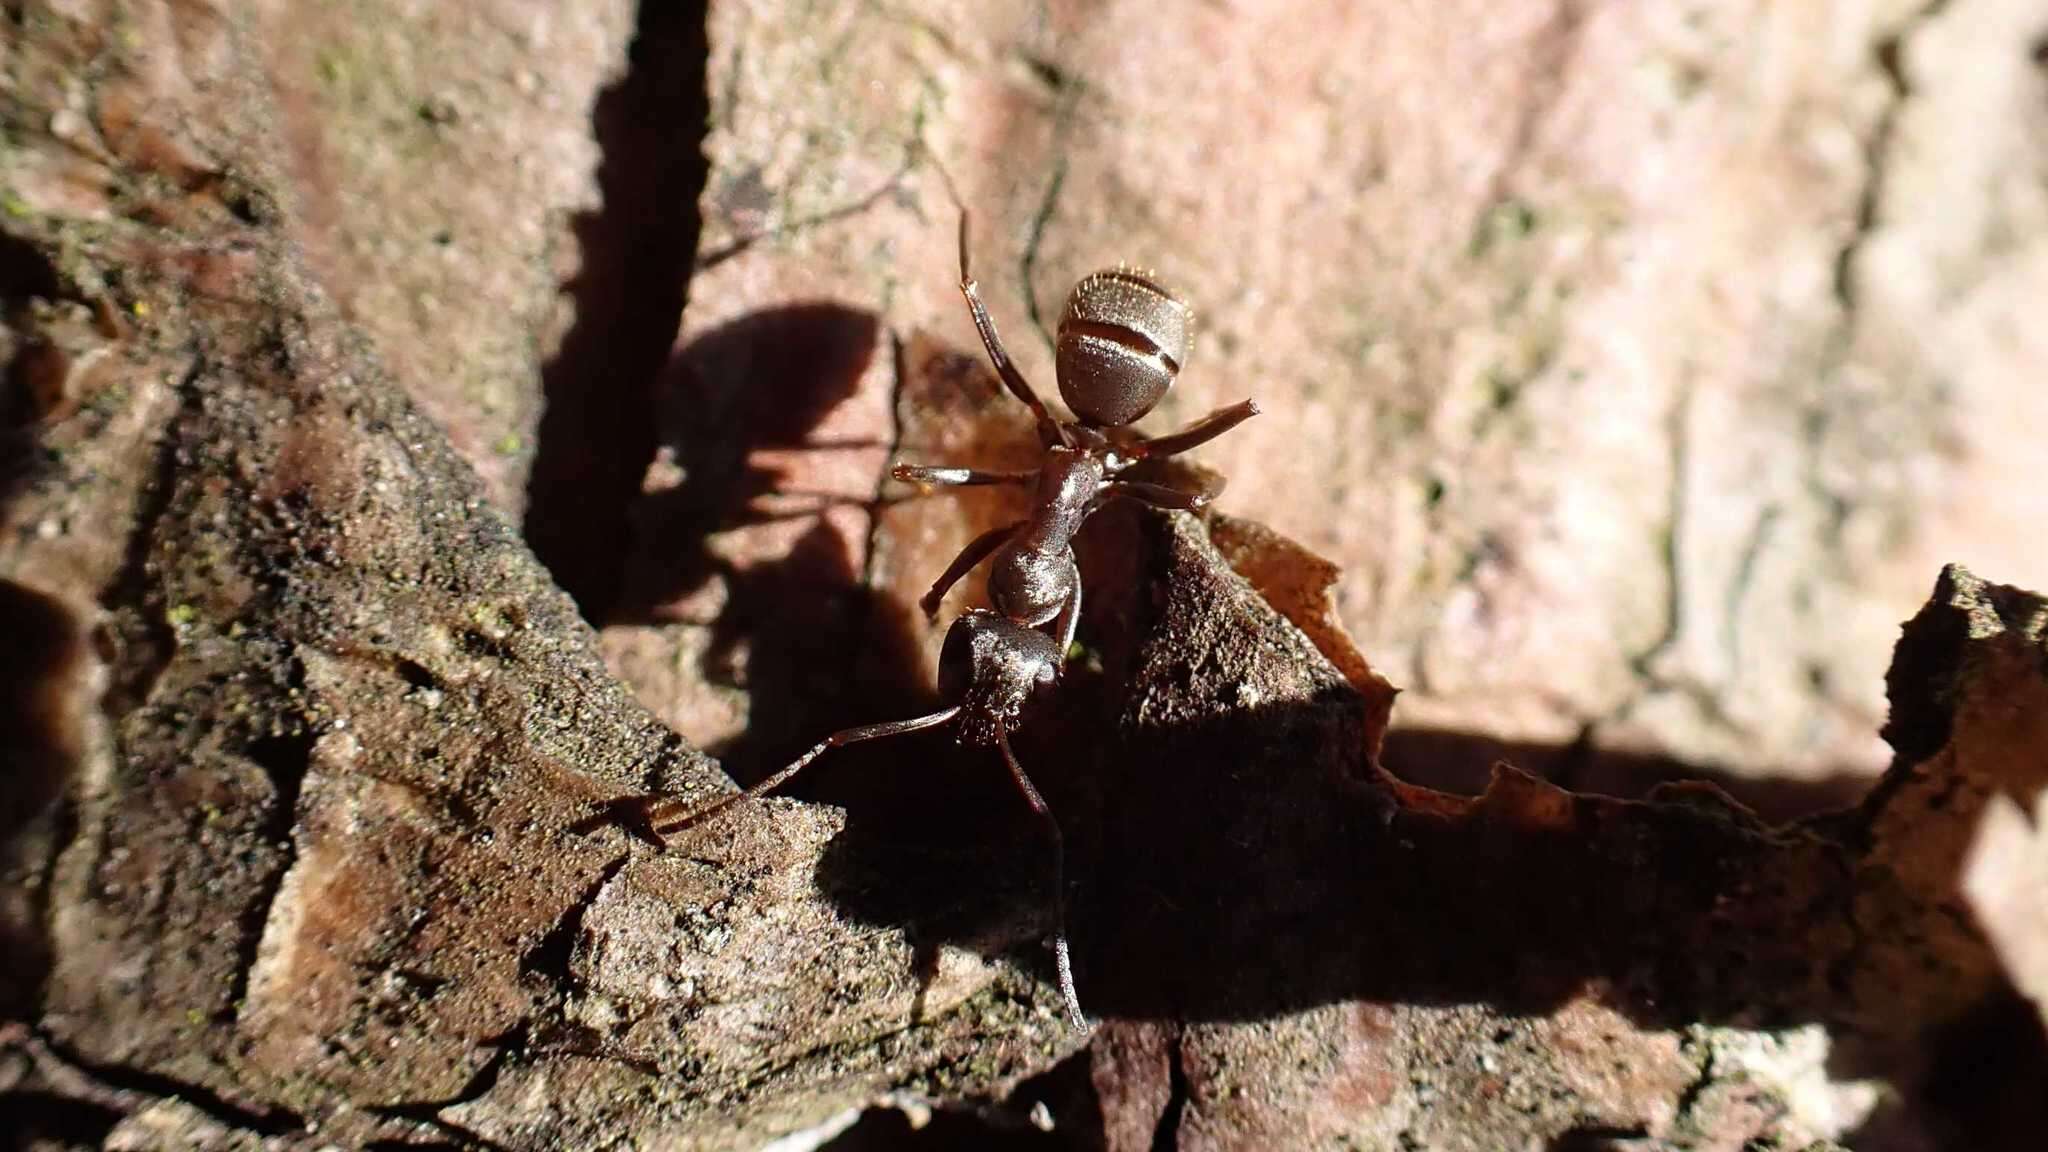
(668, 817)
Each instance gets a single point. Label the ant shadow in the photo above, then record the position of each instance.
(621, 399)
(769, 573)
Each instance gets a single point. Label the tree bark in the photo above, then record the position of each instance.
(317, 831)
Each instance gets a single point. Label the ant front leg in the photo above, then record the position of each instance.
(1050, 430)
(667, 817)
(976, 551)
(1200, 432)
(925, 476)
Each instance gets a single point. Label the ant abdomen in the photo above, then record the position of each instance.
(1121, 341)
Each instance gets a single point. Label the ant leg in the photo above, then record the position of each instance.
(1069, 618)
(1200, 432)
(976, 551)
(1061, 958)
(1049, 429)
(1156, 495)
(664, 819)
(929, 477)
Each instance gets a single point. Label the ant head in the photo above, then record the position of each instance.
(1121, 342)
(990, 666)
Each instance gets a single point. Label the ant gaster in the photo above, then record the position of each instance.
(1120, 343)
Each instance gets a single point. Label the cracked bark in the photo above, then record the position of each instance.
(1877, 151)
(335, 845)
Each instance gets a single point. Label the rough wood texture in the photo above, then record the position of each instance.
(311, 829)
(1636, 363)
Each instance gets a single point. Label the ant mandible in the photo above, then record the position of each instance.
(1120, 343)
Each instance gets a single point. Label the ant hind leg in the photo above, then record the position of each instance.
(1062, 957)
(1200, 432)
(1156, 495)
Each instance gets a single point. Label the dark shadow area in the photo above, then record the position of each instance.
(940, 842)
(39, 748)
(33, 366)
(939, 839)
(42, 659)
(1602, 1138)
(1231, 858)
(1236, 862)
(1988, 1078)
(887, 1129)
(1063, 1096)
(597, 434)
(33, 1120)
(1462, 762)
(25, 272)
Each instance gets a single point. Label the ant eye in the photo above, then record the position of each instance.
(1121, 342)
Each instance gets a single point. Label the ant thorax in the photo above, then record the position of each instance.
(1033, 575)
(1067, 480)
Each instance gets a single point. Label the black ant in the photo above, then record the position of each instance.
(1119, 346)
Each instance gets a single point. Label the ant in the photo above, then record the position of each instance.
(1120, 343)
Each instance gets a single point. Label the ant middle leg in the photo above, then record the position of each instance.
(1200, 432)
(1062, 958)
(665, 818)
(976, 551)
(931, 476)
